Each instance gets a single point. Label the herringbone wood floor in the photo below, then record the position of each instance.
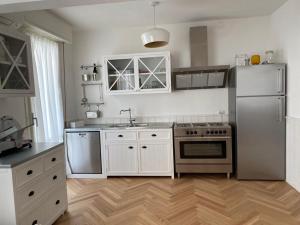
(192, 200)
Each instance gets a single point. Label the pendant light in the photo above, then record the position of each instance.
(155, 37)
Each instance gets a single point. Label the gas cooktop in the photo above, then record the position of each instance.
(199, 125)
(202, 129)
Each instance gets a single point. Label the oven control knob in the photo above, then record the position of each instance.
(187, 132)
(216, 132)
(195, 132)
(207, 132)
(192, 132)
(224, 132)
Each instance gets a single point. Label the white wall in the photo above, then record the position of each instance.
(69, 84)
(226, 38)
(285, 23)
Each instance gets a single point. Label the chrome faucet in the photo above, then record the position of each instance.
(130, 117)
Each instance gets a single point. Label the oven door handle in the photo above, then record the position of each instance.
(203, 138)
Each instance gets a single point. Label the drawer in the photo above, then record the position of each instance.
(56, 177)
(29, 193)
(56, 203)
(53, 158)
(155, 134)
(121, 136)
(35, 217)
(28, 171)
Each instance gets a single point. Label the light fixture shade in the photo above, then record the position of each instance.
(155, 38)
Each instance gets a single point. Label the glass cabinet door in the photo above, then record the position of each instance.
(152, 73)
(14, 74)
(121, 76)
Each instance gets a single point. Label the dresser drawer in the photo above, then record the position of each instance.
(35, 217)
(56, 203)
(155, 135)
(28, 171)
(53, 158)
(56, 176)
(121, 136)
(29, 193)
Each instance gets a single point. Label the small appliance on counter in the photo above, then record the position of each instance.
(11, 135)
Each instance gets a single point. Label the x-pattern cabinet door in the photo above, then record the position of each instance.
(120, 74)
(16, 76)
(153, 73)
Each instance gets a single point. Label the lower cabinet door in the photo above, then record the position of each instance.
(154, 158)
(122, 159)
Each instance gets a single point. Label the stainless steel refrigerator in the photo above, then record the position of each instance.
(257, 110)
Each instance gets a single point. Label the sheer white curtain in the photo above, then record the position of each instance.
(47, 104)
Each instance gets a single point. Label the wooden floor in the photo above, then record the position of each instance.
(192, 200)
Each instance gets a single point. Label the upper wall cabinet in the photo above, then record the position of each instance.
(16, 77)
(137, 73)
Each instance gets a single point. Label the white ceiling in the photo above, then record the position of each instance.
(139, 12)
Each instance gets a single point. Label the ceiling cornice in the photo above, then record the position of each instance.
(22, 6)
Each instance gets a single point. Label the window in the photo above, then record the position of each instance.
(47, 105)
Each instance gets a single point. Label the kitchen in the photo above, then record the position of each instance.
(98, 39)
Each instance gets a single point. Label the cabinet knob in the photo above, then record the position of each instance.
(120, 135)
(53, 159)
(31, 193)
(54, 177)
(144, 147)
(57, 202)
(130, 147)
(29, 172)
(34, 222)
(153, 135)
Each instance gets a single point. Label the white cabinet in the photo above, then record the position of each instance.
(146, 152)
(137, 73)
(16, 74)
(35, 191)
(154, 158)
(122, 158)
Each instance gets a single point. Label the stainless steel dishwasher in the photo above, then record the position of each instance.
(84, 152)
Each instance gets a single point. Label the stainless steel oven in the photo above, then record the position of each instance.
(203, 148)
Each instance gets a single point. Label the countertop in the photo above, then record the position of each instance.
(99, 127)
(10, 160)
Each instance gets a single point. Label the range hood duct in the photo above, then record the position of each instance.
(200, 75)
(198, 46)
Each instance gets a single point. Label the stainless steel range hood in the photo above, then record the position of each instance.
(200, 75)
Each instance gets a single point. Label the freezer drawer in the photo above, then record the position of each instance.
(84, 152)
(260, 80)
(261, 138)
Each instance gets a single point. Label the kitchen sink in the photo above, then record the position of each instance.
(128, 126)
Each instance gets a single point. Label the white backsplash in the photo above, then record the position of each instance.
(170, 118)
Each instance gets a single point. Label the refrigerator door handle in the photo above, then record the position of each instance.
(280, 74)
(281, 110)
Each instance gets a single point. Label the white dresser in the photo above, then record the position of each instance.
(33, 192)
